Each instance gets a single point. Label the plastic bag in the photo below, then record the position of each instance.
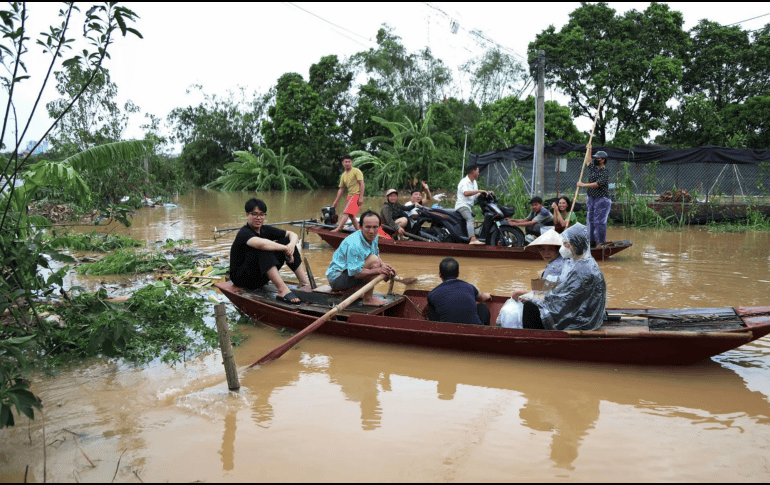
(510, 314)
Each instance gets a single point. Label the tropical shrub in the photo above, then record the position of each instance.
(266, 171)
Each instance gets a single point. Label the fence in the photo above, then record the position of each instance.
(727, 182)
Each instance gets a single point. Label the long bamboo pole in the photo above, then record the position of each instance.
(586, 161)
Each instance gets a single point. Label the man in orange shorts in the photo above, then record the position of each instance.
(351, 180)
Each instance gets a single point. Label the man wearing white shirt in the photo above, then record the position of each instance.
(467, 191)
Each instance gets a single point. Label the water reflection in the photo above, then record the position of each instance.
(558, 400)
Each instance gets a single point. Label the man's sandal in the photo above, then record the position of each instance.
(288, 297)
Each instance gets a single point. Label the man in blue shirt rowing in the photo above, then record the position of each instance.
(357, 260)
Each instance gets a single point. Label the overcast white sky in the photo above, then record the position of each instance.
(222, 46)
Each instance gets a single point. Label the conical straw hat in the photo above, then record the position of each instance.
(548, 238)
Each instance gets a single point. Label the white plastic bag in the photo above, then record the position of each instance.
(510, 314)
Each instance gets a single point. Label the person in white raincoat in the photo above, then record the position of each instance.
(578, 301)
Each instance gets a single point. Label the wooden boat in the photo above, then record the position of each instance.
(640, 336)
(458, 250)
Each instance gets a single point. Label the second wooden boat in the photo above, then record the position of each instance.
(458, 250)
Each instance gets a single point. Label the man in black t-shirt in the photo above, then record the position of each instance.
(259, 251)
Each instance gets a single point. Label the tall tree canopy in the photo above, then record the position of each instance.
(95, 119)
(725, 89)
(633, 63)
(494, 75)
(309, 119)
(416, 78)
(511, 121)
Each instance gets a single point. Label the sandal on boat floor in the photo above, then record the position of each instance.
(288, 297)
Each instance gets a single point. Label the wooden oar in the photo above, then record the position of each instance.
(586, 161)
(279, 351)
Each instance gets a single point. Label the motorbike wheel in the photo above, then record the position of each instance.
(509, 236)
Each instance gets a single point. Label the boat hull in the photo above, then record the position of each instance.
(403, 324)
(457, 250)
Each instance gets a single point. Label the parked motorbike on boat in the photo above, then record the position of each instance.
(447, 225)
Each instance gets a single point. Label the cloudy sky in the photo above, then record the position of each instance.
(223, 46)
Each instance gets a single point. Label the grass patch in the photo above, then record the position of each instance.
(159, 320)
(94, 242)
(127, 262)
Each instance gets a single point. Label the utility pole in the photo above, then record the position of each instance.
(539, 159)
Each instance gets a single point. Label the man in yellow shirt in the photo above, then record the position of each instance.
(351, 180)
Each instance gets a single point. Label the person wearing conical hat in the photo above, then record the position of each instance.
(579, 299)
(547, 245)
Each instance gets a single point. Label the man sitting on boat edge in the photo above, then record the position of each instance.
(259, 251)
(394, 214)
(357, 260)
(456, 301)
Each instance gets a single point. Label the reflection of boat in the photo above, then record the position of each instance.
(459, 250)
(640, 336)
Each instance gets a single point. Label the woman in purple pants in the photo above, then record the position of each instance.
(599, 202)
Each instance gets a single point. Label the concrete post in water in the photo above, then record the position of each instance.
(539, 160)
(223, 329)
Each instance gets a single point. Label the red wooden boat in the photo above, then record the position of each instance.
(641, 336)
(458, 250)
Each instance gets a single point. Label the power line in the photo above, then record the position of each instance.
(752, 18)
(332, 23)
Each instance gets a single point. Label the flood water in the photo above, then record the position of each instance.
(343, 410)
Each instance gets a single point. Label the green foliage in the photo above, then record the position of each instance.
(633, 63)
(511, 121)
(213, 130)
(410, 152)
(309, 119)
(259, 173)
(95, 119)
(515, 194)
(23, 252)
(93, 242)
(416, 79)
(635, 210)
(14, 393)
(159, 320)
(494, 75)
(127, 262)
(170, 243)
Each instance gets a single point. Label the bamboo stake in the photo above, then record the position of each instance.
(310, 277)
(586, 161)
(223, 330)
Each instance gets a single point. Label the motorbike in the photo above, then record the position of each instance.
(447, 225)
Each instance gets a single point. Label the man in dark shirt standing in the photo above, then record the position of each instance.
(259, 251)
(456, 301)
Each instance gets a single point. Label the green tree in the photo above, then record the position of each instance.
(215, 128)
(267, 171)
(305, 123)
(417, 79)
(511, 121)
(633, 63)
(20, 252)
(494, 75)
(724, 89)
(410, 152)
(95, 119)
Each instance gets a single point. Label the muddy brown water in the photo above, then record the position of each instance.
(343, 410)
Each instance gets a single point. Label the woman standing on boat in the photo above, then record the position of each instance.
(599, 202)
